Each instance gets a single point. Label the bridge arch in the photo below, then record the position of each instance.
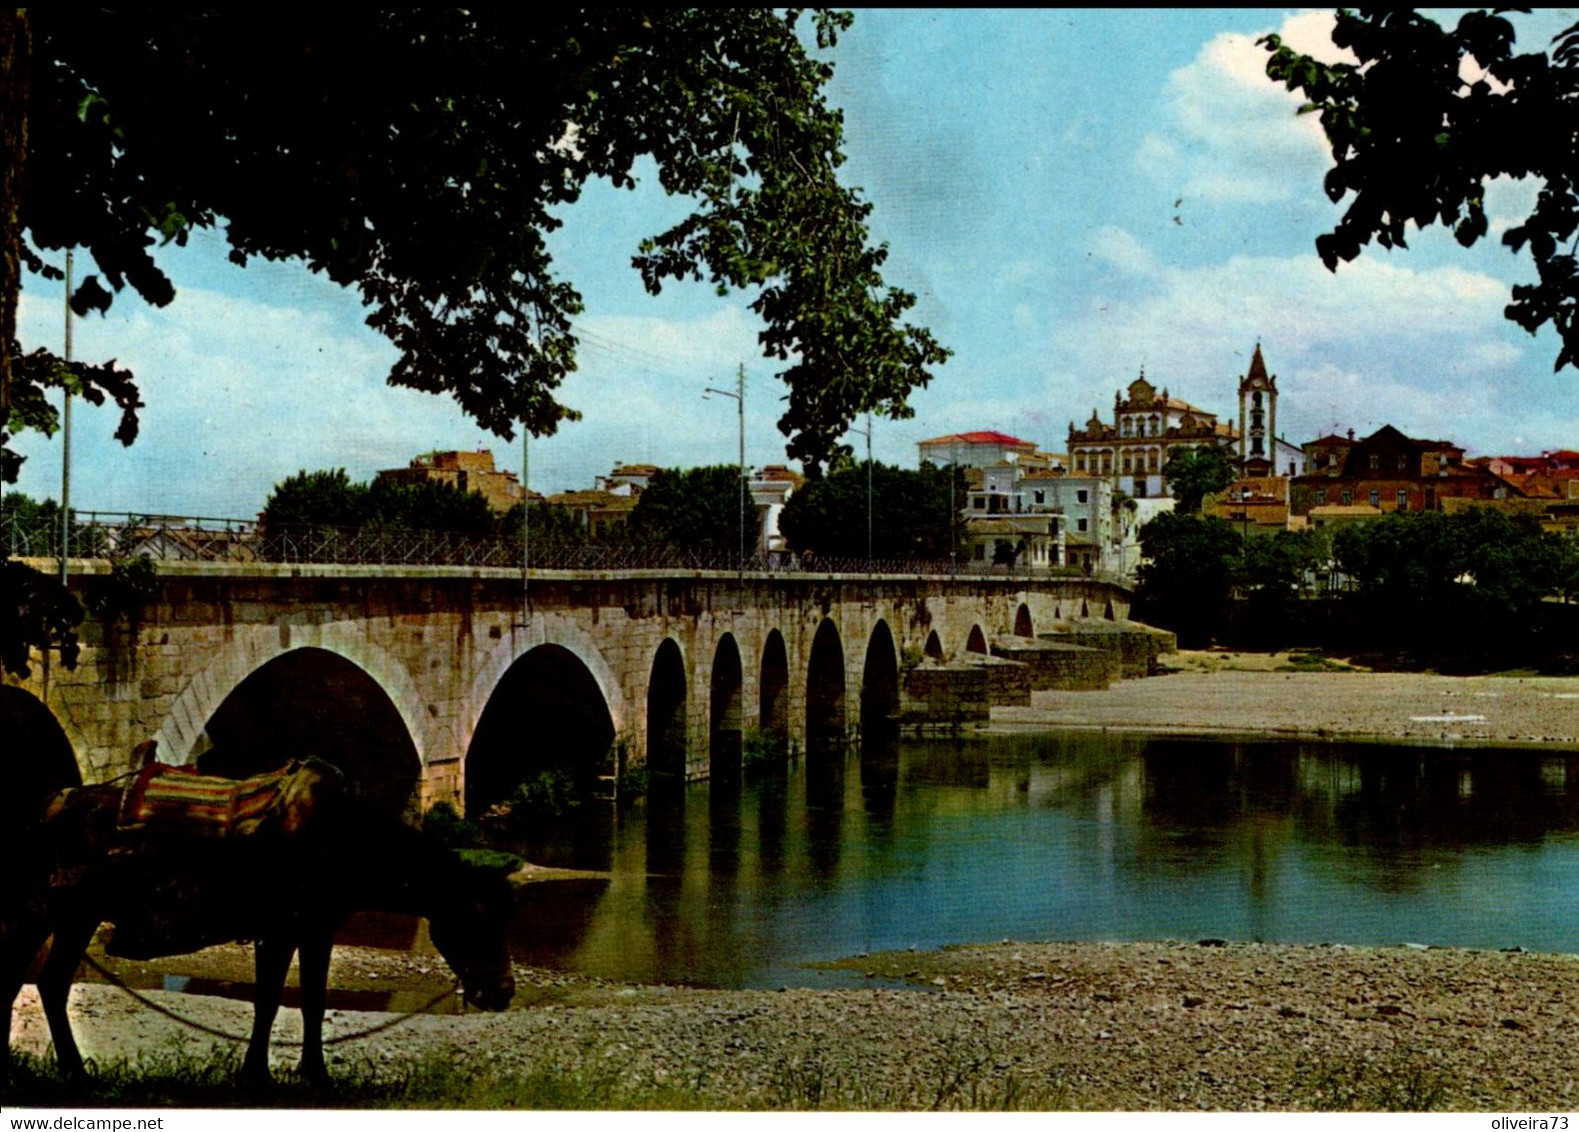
(879, 680)
(726, 711)
(977, 641)
(934, 646)
(667, 749)
(773, 715)
(546, 723)
(545, 629)
(183, 735)
(1022, 622)
(39, 759)
(313, 702)
(825, 687)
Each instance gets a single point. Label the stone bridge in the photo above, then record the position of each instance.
(456, 684)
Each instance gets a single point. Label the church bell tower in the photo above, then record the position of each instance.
(1257, 419)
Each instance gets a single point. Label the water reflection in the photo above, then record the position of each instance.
(894, 844)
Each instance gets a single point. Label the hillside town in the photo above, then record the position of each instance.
(1082, 509)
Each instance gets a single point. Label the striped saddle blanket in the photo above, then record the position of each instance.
(177, 800)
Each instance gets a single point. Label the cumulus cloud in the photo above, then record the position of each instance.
(1427, 350)
(1120, 249)
(1229, 134)
(243, 391)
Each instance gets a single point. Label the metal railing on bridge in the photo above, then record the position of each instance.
(173, 538)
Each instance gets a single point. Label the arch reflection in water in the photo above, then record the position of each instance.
(1077, 837)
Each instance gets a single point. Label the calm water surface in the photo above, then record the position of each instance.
(1064, 837)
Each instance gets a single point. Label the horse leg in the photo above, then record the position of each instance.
(315, 949)
(19, 944)
(271, 961)
(54, 988)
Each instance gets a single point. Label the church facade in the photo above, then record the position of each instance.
(1149, 428)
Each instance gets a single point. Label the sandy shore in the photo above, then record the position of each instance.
(1246, 693)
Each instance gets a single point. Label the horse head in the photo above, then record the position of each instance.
(469, 927)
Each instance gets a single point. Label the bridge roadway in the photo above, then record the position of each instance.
(453, 683)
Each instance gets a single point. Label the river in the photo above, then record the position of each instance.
(1063, 836)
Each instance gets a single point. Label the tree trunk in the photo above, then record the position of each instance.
(15, 56)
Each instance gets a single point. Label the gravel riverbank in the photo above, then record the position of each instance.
(1160, 1026)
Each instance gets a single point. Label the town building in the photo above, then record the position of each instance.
(770, 490)
(600, 512)
(1254, 504)
(1148, 429)
(1393, 472)
(464, 471)
(984, 449)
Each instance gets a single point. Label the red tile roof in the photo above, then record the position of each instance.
(985, 437)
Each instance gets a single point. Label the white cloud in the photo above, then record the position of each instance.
(1232, 135)
(243, 392)
(1426, 350)
(1122, 250)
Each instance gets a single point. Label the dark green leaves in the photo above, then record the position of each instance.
(1426, 118)
(421, 155)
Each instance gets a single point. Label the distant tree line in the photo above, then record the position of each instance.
(1476, 588)
(333, 499)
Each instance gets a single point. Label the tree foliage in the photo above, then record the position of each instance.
(422, 155)
(331, 499)
(693, 509)
(1425, 117)
(1480, 563)
(1195, 473)
(1187, 573)
(913, 512)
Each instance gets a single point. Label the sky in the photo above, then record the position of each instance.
(1073, 196)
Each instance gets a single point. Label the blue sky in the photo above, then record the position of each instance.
(1072, 195)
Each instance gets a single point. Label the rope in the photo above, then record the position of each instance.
(115, 981)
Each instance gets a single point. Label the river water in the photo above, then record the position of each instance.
(1064, 836)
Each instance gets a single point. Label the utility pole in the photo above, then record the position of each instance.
(739, 397)
(65, 446)
(526, 525)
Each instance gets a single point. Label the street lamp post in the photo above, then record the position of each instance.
(739, 397)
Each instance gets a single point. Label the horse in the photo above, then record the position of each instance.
(287, 881)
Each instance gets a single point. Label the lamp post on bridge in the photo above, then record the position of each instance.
(739, 397)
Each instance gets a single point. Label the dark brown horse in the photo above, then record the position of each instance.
(288, 881)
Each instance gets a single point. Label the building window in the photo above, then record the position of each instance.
(1376, 497)
(981, 552)
(1041, 497)
(1321, 497)
(1348, 497)
(979, 503)
(1375, 461)
(1080, 524)
(1403, 463)
(1081, 495)
(1403, 499)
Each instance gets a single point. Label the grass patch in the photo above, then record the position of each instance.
(1356, 1085)
(184, 1080)
(1312, 662)
(964, 1073)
